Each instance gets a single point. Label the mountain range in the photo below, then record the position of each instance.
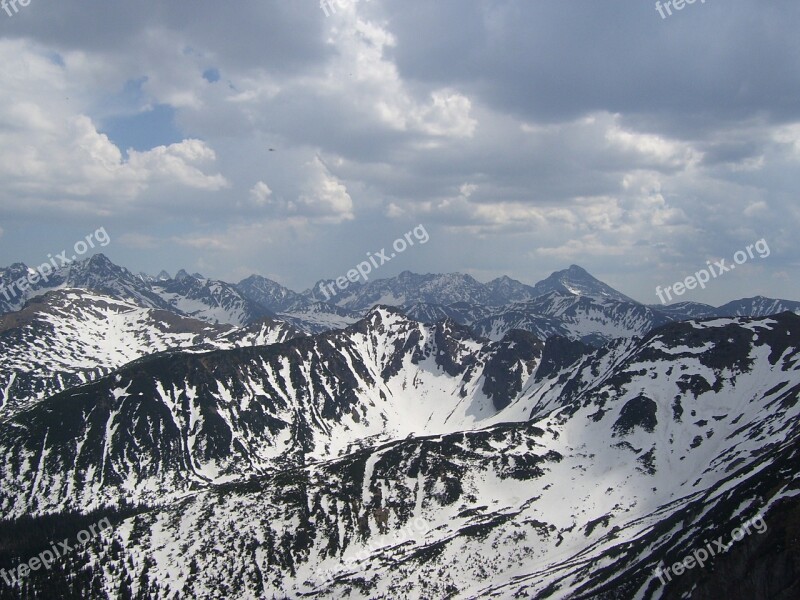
(584, 307)
(425, 436)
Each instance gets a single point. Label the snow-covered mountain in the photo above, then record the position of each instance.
(758, 306)
(69, 337)
(461, 312)
(488, 440)
(187, 295)
(407, 288)
(190, 418)
(596, 313)
(595, 320)
(209, 300)
(691, 310)
(569, 303)
(95, 273)
(271, 295)
(508, 291)
(592, 319)
(397, 459)
(317, 317)
(577, 281)
(11, 297)
(302, 311)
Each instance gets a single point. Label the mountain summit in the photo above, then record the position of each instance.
(577, 281)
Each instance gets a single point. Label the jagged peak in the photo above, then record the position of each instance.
(382, 311)
(182, 275)
(18, 265)
(577, 269)
(99, 259)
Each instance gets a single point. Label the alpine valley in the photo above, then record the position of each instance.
(422, 436)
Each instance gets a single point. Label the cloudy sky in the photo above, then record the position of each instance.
(525, 135)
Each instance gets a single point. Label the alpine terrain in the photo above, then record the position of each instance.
(426, 436)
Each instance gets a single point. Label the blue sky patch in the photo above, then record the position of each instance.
(145, 130)
(211, 75)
